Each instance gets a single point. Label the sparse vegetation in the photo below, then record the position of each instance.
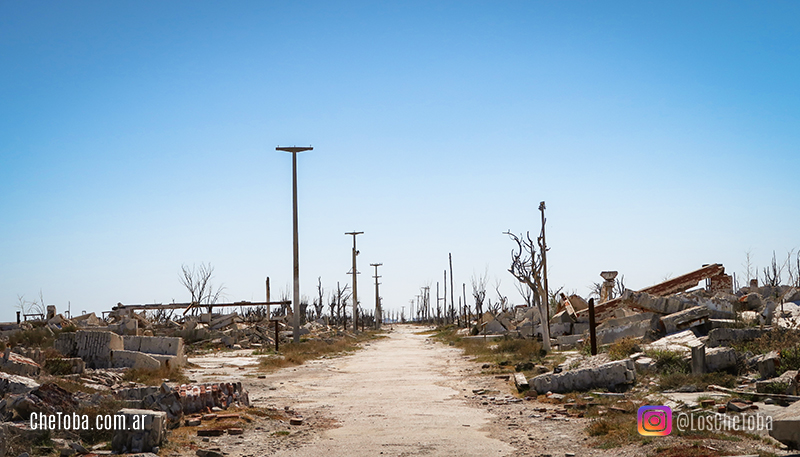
(296, 354)
(668, 362)
(777, 339)
(155, 377)
(504, 352)
(39, 336)
(675, 380)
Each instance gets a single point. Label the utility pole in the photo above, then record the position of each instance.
(426, 300)
(295, 248)
(444, 294)
(355, 287)
(452, 302)
(378, 308)
(464, 294)
(544, 271)
(269, 316)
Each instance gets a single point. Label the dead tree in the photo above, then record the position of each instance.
(773, 273)
(502, 300)
(338, 303)
(526, 267)
(197, 281)
(319, 305)
(479, 293)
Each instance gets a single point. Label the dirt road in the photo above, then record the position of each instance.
(395, 397)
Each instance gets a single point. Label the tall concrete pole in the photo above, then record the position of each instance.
(355, 282)
(378, 308)
(546, 296)
(295, 247)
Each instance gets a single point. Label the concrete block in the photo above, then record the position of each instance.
(560, 328)
(698, 358)
(156, 346)
(720, 358)
(521, 382)
(786, 426)
(768, 365)
(151, 435)
(132, 359)
(728, 336)
(643, 364)
(610, 375)
(579, 328)
(93, 346)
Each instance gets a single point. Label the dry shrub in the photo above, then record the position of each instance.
(623, 348)
(614, 430)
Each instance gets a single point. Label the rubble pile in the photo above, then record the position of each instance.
(186, 398)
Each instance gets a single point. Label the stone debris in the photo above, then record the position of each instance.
(185, 399)
(786, 426)
(14, 363)
(610, 375)
(786, 384)
(13, 384)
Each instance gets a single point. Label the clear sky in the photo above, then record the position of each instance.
(139, 136)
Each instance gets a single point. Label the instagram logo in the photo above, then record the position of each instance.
(654, 420)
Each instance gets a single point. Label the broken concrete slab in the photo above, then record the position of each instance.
(729, 336)
(493, 327)
(785, 384)
(610, 375)
(14, 363)
(679, 342)
(223, 321)
(786, 426)
(635, 326)
(15, 384)
(690, 317)
(132, 359)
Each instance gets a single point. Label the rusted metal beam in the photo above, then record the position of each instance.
(683, 282)
(156, 306)
(668, 287)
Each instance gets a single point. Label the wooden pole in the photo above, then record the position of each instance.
(592, 333)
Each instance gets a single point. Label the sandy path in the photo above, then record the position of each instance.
(396, 397)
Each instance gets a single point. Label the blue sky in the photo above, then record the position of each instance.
(139, 136)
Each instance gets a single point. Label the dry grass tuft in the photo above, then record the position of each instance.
(155, 377)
